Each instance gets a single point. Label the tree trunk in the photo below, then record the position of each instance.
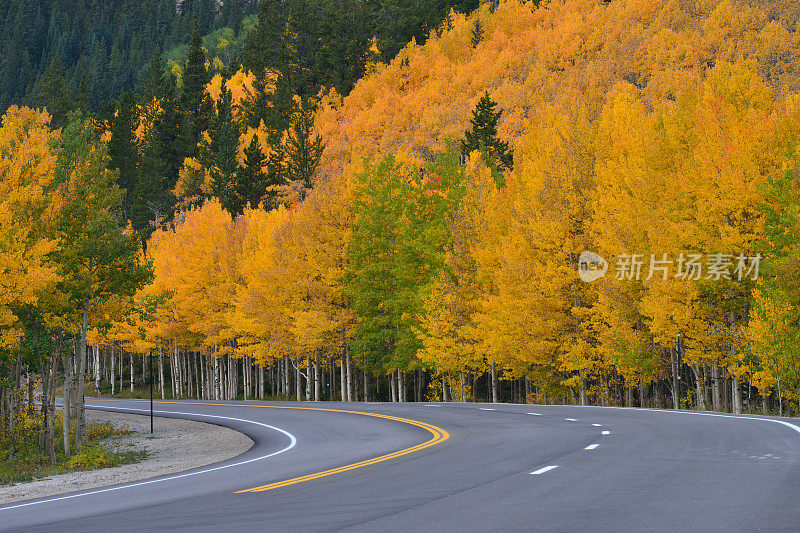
(675, 385)
(343, 377)
(113, 371)
(495, 393)
(350, 376)
(69, 381)
(286, 376)
(581, 387)
(297, 383)
(715, 386)
(317, 380)
(698, 378)
(216, 377)
(737, 396)
(81, 437)
(96, 369)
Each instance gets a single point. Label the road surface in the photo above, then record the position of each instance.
(454, 467)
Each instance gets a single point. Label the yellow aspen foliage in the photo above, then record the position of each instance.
(261, 315)
(26, 170)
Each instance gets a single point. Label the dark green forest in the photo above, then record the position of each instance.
(108, 59)
(87, 53)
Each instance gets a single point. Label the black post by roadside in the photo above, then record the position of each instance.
(151, 392)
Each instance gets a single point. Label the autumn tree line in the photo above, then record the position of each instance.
(419, 238)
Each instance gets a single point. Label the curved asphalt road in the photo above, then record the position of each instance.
(503, 467)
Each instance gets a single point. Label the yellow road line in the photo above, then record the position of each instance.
(439, 435)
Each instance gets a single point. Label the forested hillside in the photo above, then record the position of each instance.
(88, 49)
(273, 227)
(86, 53)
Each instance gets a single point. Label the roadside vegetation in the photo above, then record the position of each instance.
(22, 457)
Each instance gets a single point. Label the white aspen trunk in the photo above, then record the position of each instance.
(495, 395)
(317, 380)
(581, 387)
(204, 376)
(309, 377)
(131, 368)
(261, 382)
(161, 373)
(113, 371)
(393, 386)
(216, 376)
(349, 365)
(96, 350)
(737, 396)
(286, 376)
(366, 386)
(191, 370)
(675, 385)
(245, 379)
(171, 360)
(715, 385)
(65, 406)
(444, 388)
(343, 378)
(461, 384)
(297, 387)
(81, 437)
(698, 382)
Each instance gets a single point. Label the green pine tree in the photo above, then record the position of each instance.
(303, 152)
(195, 103)
(251, 184)
(483, 136)
(219, 155)
(477, 33)
(123, 148)
(54, 95)
(264, 47)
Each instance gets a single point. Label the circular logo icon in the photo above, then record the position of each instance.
(591, 266)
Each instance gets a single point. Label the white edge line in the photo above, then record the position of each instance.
(148, 482)
(543, 470)
(687, 412)
(571, 419)
(534, 414)
(684, 412)
(591, 447)
(486, 408)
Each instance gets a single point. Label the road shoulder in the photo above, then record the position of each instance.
(175, 446)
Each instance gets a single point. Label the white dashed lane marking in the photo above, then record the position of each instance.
(543, 470)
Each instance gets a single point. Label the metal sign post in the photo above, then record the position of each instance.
(151, 392)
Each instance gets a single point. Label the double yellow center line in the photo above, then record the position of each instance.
(439, 435)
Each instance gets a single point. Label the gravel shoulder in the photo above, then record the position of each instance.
(175, 446)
